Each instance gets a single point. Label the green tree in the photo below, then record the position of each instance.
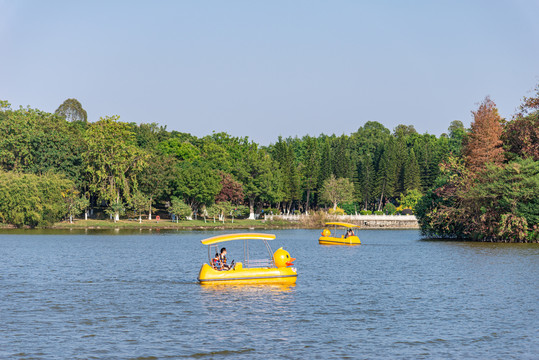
(411, 199)
(197, 184)
(457, 134)
(72, 110)
(112, 162)
(337, 191)
(326, 163)
(32, 200)
(156, 180)
(256, 172)
(310, 168)
(412, 180)
(182, 150)
(76, 203)
(386, 176)
(213, 211)
(180, 209)
(284, 155)
(342, 164)
(38, 142)
(139, 203)
(366, 180)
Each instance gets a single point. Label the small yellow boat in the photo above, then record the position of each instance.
(345, 238)
(273, 270)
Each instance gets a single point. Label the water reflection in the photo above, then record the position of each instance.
(247, 288)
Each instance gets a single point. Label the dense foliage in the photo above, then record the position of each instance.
(122, 168)
(492, 193)
(479, 183)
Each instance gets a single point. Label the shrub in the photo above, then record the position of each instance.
(378, 212)
(365, 212)
(390, 209)
(337, 211)
(240, 211)
(350, 208)
(272, 211)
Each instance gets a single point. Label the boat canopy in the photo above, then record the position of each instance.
(241, 236)
(343, 224)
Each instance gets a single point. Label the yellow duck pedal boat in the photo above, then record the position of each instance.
(273, 270)
(347, 238)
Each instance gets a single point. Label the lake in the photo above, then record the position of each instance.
(135, 295)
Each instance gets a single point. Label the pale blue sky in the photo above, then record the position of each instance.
(268, 68)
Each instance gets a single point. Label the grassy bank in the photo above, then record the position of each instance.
(167, 224)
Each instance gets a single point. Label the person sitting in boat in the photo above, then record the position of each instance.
(223, 260)
(349, 233)
(216, 262)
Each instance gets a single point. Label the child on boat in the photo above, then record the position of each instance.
(216, 262)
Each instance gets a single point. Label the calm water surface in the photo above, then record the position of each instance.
(135, 296)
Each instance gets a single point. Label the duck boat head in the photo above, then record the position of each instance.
(281, 258)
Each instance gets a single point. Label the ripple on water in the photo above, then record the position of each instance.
(136, 297)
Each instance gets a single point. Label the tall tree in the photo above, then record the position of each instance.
(457, 134)
(342, 164)
(411, 173)
(156, 180)
(366, 179)
(484, 144)
(112, 161)
(72, 110)
(256, 172)
(386, 176)
(310, 168)
(284, 155)
(326, 166)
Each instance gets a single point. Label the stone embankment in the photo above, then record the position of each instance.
(365, 221)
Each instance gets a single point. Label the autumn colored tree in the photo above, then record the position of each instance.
(529, 104)
(521, 137)
(231, 190)
(483, 144)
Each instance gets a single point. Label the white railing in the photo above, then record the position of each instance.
(346, 218)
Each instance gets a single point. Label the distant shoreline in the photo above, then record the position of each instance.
(238, 224)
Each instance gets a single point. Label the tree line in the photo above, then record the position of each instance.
(118, 167)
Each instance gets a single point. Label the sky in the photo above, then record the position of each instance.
(272, 68)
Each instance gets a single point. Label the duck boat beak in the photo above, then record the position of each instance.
(291, 262)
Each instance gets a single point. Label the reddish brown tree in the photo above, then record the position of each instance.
(484, 144)
(231, 190)
(529, 104)
(521, 137)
